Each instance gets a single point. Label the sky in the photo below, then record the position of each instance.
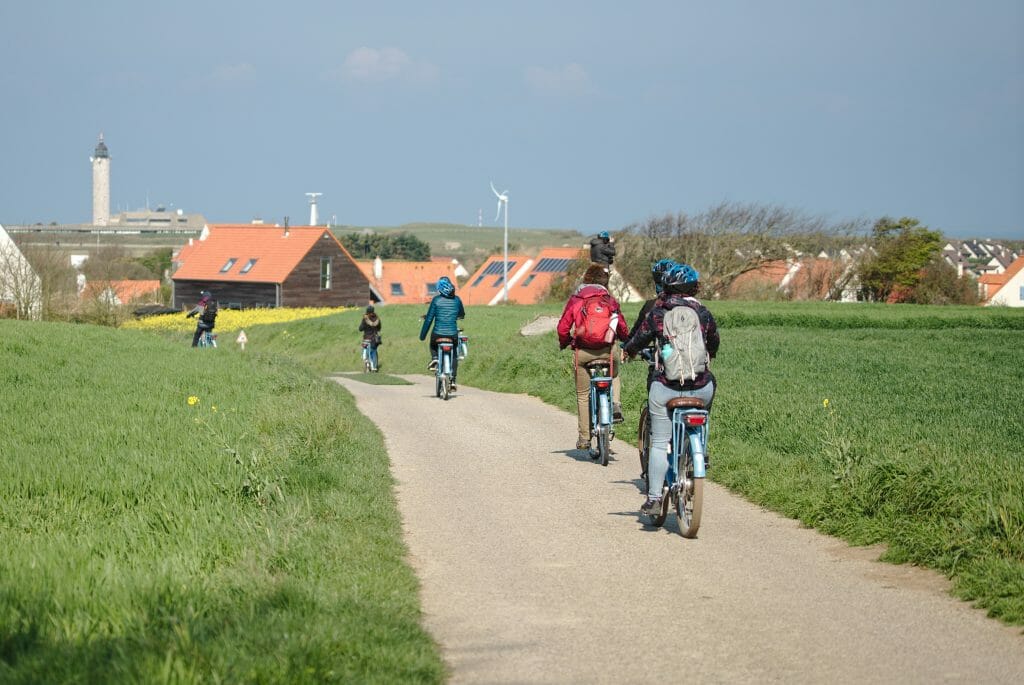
(593, 115)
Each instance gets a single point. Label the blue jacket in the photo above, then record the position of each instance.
(443, 313)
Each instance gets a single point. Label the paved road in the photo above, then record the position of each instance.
(536, 568)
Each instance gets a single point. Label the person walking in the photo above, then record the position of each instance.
(370, 326)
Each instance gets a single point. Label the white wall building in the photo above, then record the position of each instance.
(20, 286)
(1011, 294)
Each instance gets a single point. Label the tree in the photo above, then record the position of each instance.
(386, 246)
(940, 284)
(20, 285)
(902, 250)
(722, 242)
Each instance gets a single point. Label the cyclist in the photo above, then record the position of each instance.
(680, 284)
(658, 269)
(602, 249)
(444, 311)
(370, 327)
(206, 308)
(593, 288)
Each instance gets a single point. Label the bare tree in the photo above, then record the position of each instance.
(20, 286)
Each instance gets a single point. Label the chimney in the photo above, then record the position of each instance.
(378, 268)
(286, 227)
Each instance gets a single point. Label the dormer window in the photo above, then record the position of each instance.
(227, 267)
(248, 266)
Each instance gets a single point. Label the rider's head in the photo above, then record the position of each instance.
(445, 286)
(206, 295)
(681, 279)
(603, 235)
(596, 275)
(658, 270)
(369, 309)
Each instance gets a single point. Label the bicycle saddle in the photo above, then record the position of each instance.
(684, 403)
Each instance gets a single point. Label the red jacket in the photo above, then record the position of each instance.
(573, 306)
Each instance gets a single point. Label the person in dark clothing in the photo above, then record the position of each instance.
(370, 326)
(680, 285)
(444, 312)
(602, 249)
(206, 308)
(658, 270)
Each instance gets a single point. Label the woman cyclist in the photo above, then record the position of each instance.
(680, 284)
(445, 310)
(370, 327)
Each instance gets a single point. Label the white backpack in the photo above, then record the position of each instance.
(685, 355)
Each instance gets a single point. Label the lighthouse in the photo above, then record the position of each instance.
(100, 184)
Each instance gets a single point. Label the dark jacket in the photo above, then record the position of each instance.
(573, 306)
(602, 251)
(370, 326)
(443, 313)
(652, 329)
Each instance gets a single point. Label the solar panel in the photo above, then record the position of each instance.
(552, 265)
(495, 268)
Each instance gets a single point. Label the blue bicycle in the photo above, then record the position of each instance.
(207, 338)
(443, 384)
(684, 482)
(369, 357)
(601, 402)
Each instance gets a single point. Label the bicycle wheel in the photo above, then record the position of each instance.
(603, 444)
(643, 442)
(367, 366)
(689, 501)
(437, 386)
(446, 386)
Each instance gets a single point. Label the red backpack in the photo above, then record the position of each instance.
(594, 326)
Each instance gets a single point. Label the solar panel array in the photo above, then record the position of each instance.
(552, 265)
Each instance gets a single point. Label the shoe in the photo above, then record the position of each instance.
(651, 507)
(432, 366)
(582, 444)
(454, 386)
(617, 414)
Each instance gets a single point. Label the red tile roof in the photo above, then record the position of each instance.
(529, 278)
(414, 280)
(125, 291)
(270, 252)
(993, 283)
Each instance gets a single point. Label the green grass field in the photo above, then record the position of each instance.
(179, 515)
(167, 515)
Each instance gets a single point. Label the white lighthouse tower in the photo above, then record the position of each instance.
(100, 184)
(314, 217)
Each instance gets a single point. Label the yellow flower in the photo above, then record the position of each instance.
(193, 400)
(213, 408)
(824, 403)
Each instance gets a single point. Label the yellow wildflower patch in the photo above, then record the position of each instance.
(231, 319)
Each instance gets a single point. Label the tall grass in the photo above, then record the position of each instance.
(179, 515)
(920, 446)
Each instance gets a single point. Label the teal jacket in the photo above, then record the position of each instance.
(443, 313)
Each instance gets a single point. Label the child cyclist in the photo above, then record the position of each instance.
(444, 312)
(680, 284)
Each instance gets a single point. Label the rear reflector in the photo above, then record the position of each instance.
(602, 384)
(696, 419)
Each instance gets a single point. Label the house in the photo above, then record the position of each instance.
(21, 289)
(247, 265)
(797, 278)
(121, 292)
(529, 278)
(407, 282)
(1009, 293)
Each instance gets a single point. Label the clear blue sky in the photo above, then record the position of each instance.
(593, 115)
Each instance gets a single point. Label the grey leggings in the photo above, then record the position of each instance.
(661, 429)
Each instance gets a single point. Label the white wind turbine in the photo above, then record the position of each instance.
(503, 200)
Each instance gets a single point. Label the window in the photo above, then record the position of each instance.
(528, 279)
(476, 282)
(248, 266)
(325, 273)
(498, 281)
(396, 290)
(1022, 292)
(431, 289)
(230, 263)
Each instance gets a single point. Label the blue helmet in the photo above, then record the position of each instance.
(604, 235)
(445, 286)
(658, 270)
(680, 274)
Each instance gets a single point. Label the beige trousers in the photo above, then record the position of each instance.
(583, 384)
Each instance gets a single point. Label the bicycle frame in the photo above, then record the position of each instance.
(688, 426)
(601, 404)
(208, 338)
(445, 367)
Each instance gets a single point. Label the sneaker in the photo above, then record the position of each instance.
(432, 366)
(617, 414)
(582, 444)
(454, 386)
(651, 506)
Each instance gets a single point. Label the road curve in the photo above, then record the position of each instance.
(536, 568)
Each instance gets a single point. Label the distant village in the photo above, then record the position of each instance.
(261, 265)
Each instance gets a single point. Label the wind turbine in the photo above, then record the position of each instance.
(503, 200)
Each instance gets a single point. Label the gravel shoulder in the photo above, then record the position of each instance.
(536, 567)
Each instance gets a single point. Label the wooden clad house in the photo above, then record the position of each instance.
(269, 266)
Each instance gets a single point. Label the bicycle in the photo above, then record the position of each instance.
(207, 338)
(643, 431)
(369, 357)
(445, 367)
(601, 401)
(684, 482)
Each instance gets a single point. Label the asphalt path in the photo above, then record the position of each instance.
(536, 567)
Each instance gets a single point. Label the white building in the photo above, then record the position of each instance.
(1011, 293)
(20, 286)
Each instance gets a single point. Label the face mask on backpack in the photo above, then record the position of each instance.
(684, 355)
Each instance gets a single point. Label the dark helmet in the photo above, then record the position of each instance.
(206, 295)
(604, 235)
(445, 286)
(680, 274)
(659, 268)
(369, 309)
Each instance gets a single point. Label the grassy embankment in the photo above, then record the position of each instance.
(920, 446)
(171, 516)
